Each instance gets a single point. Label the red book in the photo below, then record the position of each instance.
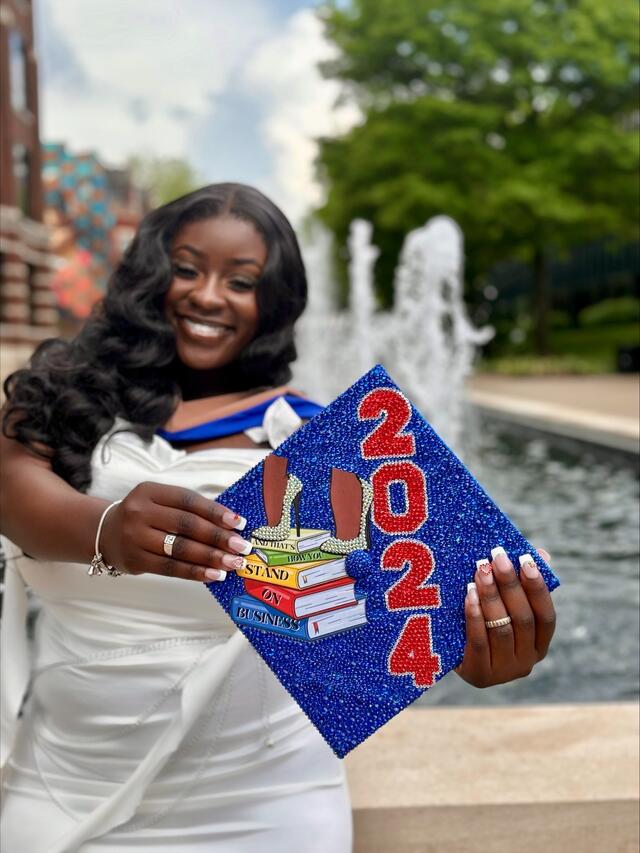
(298, 603)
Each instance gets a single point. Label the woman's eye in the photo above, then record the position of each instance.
(184, 272)
(242, 284)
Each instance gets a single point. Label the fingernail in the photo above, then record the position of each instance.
(232, 519)
(484, 566)
(528, 566)
(472, 593)
(240, 545)
(500, 559)
(214, 574)
(485, 572)
(233, 562)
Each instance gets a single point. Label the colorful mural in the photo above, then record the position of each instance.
(86, 206)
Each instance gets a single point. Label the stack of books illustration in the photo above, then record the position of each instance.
(293, 587)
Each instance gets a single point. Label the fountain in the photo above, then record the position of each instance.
(426, 341)
(579, 505)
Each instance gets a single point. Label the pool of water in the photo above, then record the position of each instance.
(581, 504)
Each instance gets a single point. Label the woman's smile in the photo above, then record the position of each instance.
(203, 329)
(211, 302)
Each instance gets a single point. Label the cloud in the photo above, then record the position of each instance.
(143, 73)
(57, 64)
(301, 107)
(231, 85)
(227, 144)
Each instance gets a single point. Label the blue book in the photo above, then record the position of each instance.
(248, 611)
(410, 522)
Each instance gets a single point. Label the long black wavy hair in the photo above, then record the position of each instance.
(123, 362)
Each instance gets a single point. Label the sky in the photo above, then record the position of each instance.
(232, 86)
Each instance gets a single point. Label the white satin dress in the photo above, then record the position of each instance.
(150, 723)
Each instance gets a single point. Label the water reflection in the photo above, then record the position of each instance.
(581, 504)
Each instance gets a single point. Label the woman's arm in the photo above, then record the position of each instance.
(49, 519)
(40, 512)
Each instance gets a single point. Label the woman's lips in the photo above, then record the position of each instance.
(203, 329)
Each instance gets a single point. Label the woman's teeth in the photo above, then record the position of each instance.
(210, 330)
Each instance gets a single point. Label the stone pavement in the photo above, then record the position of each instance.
(602, 409)
(518, 779)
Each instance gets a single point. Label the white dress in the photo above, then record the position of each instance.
(151, 724)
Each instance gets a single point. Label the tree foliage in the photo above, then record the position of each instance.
(516, 117)
(165, 178)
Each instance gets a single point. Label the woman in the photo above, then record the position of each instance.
(150, 723)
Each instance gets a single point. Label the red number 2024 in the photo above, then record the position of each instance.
(413, 652)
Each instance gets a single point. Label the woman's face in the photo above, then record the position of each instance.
(211, 302)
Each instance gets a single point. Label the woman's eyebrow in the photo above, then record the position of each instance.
(238, 262)
(191, 249)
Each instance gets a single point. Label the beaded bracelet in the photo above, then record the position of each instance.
(98, 565)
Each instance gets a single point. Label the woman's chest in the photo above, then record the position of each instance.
(239, 440)
(125, 460)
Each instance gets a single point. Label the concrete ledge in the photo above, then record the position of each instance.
(518, 779)
(610, 827)
(602, 410)
(610, 438)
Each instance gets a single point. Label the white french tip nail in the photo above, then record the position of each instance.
(240, 525)
(240, 545)
(215, 574)
(481, 563)
(496, 551)
(471, 586)
(526, 558)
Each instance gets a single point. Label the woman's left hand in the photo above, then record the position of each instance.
(500, 654)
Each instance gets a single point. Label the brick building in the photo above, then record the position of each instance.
(28, 311)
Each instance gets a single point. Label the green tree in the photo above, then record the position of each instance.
(165, 178)
(517, 118)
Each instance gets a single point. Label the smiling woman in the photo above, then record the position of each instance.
(211, 302)
(147, 722)
(151, 724)
(144, 352)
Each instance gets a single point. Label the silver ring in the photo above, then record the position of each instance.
(498, 623)
(167, 545)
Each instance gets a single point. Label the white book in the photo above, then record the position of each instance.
(308, 540)
(325, 599)
(336, 620)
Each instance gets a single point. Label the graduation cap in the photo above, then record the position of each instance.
(366, 530)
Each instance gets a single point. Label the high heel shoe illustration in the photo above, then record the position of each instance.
(280, 492)
(351, 500)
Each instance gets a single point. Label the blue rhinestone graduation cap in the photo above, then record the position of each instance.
(366, 530)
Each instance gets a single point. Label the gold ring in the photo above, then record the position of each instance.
(498, 623)
(167, 545)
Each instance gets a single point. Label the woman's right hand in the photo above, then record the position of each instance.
(207, 543)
